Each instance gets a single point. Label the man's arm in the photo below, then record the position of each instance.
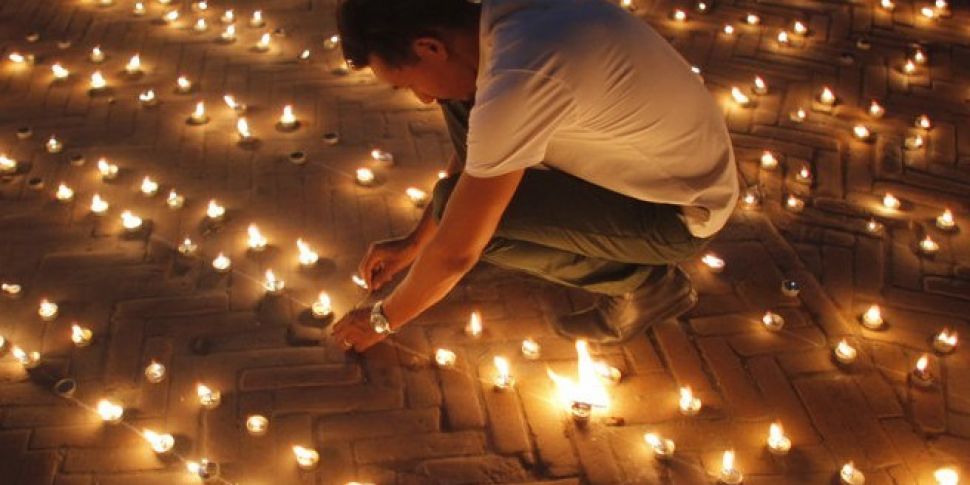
(470, 219)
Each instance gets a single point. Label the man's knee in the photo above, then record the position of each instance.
(441, 193)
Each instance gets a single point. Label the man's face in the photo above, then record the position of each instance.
(437, 74)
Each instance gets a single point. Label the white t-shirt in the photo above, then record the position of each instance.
(587, 88)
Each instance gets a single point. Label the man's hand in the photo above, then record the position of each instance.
(354, 331)
(385, 259)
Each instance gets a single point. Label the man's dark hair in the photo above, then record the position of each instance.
(388, 27)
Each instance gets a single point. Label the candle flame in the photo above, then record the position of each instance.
(474, 327)
(727, 461)
(922, 362)
(946, 337)
(242, 126)
(588, 389)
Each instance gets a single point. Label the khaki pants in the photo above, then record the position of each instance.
(569, 231)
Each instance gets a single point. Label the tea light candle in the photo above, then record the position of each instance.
(503, 378)
(29, 360)
(923, 122)
(773, 321)
(798, 116)
(945, 220)
(701, 7)
(689, 404)
(17, 58)
(913, 142)
(928, 13)
(229, 34)
(98, 82)
(783, 38)
(228, 17)
(47, 310)
(921, 375)
(872, 318)
(200, 6)
(928, 246)
(161, 443)
(174, 200)
(80, 336)
(729, 475)
(147, 97)
(331, 42)
(256, 241)
(365, 176)
(304, 55)
(60, 72)
(800, 28)
(171, 16)
(945, 341)
(804, 175)
(919, 57)
(242, 128)
(208, 398)
(794, 204)
(154, 372)
(130, 221)
(198, 116)
(739, 97)
(64, 193)
(909, 67)
(204, 468)
(946, 476)
(751, 198)
(679, 15)
(850, 475)
(134, 65)
(358, 281)
(138, 9)
(444, 358)
(10, 289)
(307, 257)
(272, 284)
(234, 105)
(382, 157)
(627, 5)
(474, 326)
(321, 308)
(256, 20)
(97, 55)
(752, 19)
(845, 353)
(183, 85)
(760, 87)
(417, 196)
(873, 226)
(306, 458)
(54, 145)
(287, 119)
(215, 211)
(530, 349)
(889, 201)
(728, 29)
(778, 442)
(7, 165)
(607, 372)
(187, 247)
(887, 5)
(713, 262)
(110, 412)
(257, 424)
(827, 97)
(149, 187)
(221, 263)
(264, 41)
(662, 448)
(200, 25)
(861, 132)
(875, 109)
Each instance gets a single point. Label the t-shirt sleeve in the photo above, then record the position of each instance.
(514, 117)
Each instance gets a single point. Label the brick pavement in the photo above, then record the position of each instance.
(393, 417)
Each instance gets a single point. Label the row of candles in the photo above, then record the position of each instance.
(935, 10)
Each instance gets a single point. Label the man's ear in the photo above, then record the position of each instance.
(430, 48)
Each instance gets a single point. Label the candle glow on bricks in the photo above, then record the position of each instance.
(530, 349)
(322, 307)
(474, 326)
(130, 221)
(154, 372)
(161, 443)
(662, 448)
(148, 187)
(306, 458)
(850, 475)
(28, 360)
(729, 474)
(581, 397)
(208, 397)
(778, 442)
(773, 321)
(256, 241)
(174, 200)
(257, 424)
(272, 284)
(945, 341)
(503, 374)
(111, 412)
(215, 211)
(739, 97)
(81, 336)
(845, 353)
(928, 246)
(221, 263)
(64, 193)
(713, 262)
(872, 318)
(307, 257)
(59, 71)
(47, 310)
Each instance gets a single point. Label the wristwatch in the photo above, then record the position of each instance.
(378, 320)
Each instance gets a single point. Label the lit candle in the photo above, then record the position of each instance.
(798, 115)
(201, 6)
(845, 353)
(64, 193)
(147, 97)
(909, 67)
(751, 198)
(872, 318)
(607, 372)
(713, 262)
(945, 220)
(215, 211)
(778, 443)
(627, 5)
(331, 42)
(923, 122)
(876, 110)
(204, 468)
(200, 25)
(149, 187)
(257, 19)
(234, 105)
(783, 38)
(171, 16)
(773, 321)
(942, 8)
(689, 404)
(306, 458)
(888, 5)
(873, 226)
(304, 55)
(97, 81)
(804, 175)
(263, 44)
(10, 289)
(365, 176)
(946, 476)
(701, 7)
(760, 87)
(256, 241)
(28, 360)
(794, 204)
(97, 55)
(257, 424)
(358, 281)
(739, 97)
(130, 221)
(47, 310)
(919, 57)
(889, 201)
(198, 116)
(382, 157)
(444, 357)
(174, 200)
(728, 29)
(154, 372)
(474, 327)
(945, 341)
(850, 475)
(752, 19)
(183, 85)
(307, 257)
(921, 375)
(861, 132)
(208, 398)
(321, 308)
(17, 58)
(80, 336)
(913, 142)
(221, 263)
(800, 28)
(242, 128)
(187, 247)
(272, 284)
(928, 12)
(287, 119)
(662, 448)
(928, 246)
(161, 443)
(110, 412)
(729, 474)
(134, 65)
(530, 349)
(442, 174)
(417, 196)
(826, 96)
(679, 15)
(228, 17)
(229, 34)
(59, 71)
(7, 165)
(138, 9)
(503, 376)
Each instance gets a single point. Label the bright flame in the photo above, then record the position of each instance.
(416, 195)
(147, 96)
(800, 28)
(215, 211)
(921, 363)
(307, 255)
(713, 262)
(783, 37)
(588, 389)
(752, 19)
(80, 335)
(768, 159)
(199, 113)
(739, 97)
(98, 81)
(171, 16)
(64, 193)
(110, 411)
(909, 67)
(264, 41)
(947, 338)
(134, 64)
(183, 83)
(727, 461)
(256, 239)
(305, 457)
(826, 96)
(946, 476)
(928, 245)
(97, 55)
(230, 101)
(59, 71)
(845, 350)
(861, 132)
(130, 221)
(221, 262)
(503, 377)
(890, 202)
(365, 175)
(288, 118)
(160, 442)
(242, 126)
(149, 186)
(474, 327)
(876, 109)
(924, 122)
(229, 33)
(759, 84)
